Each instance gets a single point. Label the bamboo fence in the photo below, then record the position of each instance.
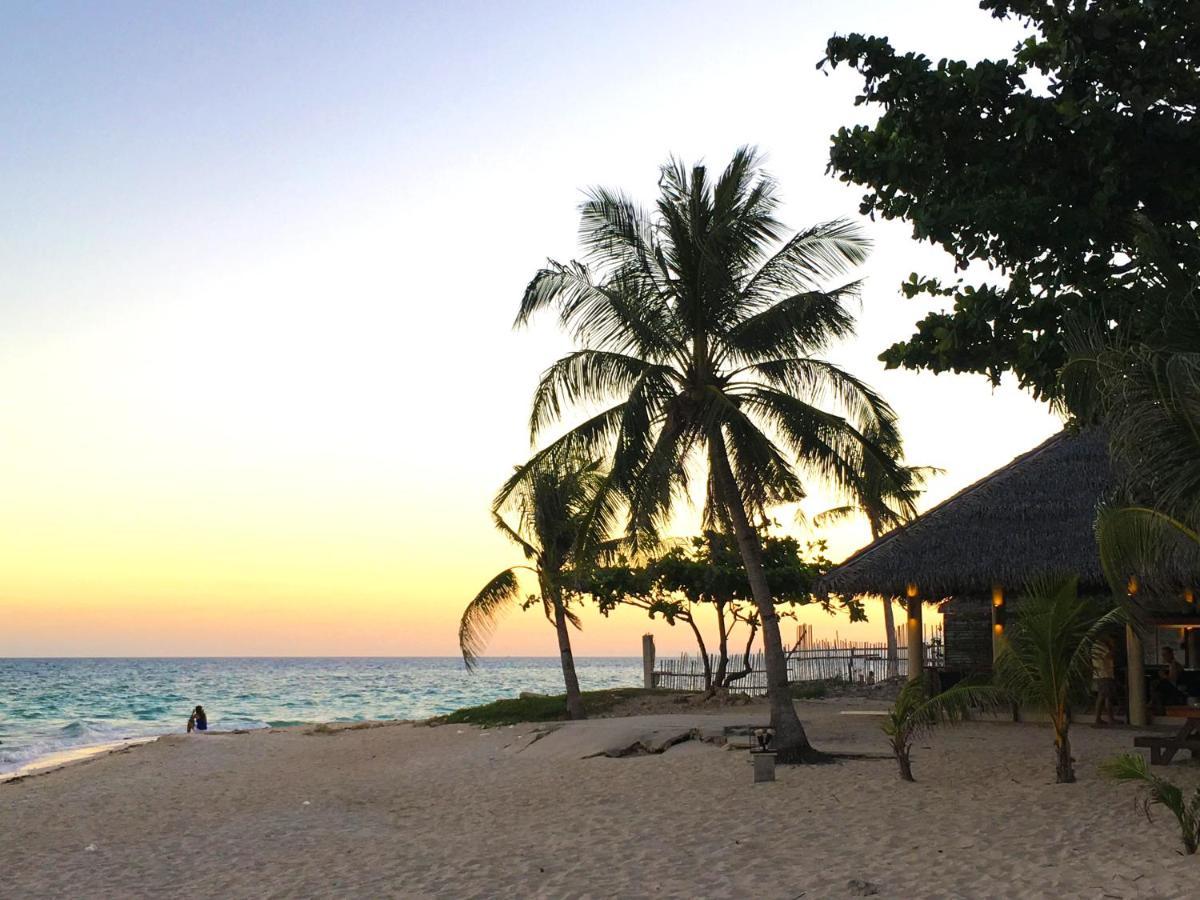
(810, 660)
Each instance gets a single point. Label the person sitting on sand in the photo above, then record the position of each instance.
(198, 720)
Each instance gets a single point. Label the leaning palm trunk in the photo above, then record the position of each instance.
(574, 695)
(791, 742)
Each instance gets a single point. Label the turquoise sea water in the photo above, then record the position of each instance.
(50, 705)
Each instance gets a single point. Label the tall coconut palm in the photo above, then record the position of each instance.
(553, 502)
(699, 327)
(886, 496)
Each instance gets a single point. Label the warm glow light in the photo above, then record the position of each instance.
(998, 628)
(1132, 586)
(997, 596)
(238, 420)
(1189, 596)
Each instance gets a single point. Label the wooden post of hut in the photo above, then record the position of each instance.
(999, 621)
(915, 636)
(1136, 668)
(1191, 636)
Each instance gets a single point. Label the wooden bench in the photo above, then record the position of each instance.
(1163, 749)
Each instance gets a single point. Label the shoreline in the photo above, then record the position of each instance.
(60, 759)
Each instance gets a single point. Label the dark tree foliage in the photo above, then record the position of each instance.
(708, 571)
(1054, 169)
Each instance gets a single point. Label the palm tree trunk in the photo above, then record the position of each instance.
(791, 743)
(708, 675)
(1063, 770)
(889, 620)
(722, 648)
(575, 708)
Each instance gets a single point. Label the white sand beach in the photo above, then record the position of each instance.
(454, 811)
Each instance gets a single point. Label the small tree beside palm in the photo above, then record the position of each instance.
(707, 573)
(554, 505)
(1046, 659)
(917, 712)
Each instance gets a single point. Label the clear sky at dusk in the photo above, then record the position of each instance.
(258, 268)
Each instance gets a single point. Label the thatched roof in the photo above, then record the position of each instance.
(1034, 516)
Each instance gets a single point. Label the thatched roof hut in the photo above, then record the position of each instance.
(1033, 516)
(977, 549)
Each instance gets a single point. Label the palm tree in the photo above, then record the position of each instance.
(1160, 792)
(699, 327)
(554, 502)
(916, 713)
(886, 496)
(1147, 394)
(1046, 659)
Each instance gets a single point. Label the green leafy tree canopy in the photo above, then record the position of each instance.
(1053, 169)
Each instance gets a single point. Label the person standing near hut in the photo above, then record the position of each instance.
(1104, 675)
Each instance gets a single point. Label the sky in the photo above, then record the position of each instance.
(258, 271)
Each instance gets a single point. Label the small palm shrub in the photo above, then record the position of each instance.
(1160, 792)
(1046, 660)
(917, 712)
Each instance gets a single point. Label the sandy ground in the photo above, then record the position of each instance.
(413, 811)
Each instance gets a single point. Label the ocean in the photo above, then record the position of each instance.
(48, 706)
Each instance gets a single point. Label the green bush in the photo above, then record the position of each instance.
(810, 690)
(541, 708)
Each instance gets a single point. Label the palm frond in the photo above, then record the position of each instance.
(588, 377)
(479, 619)
(1045, 660)
(1132, 767)
(1136, 541)
(916, 712)
(810, 258)
(806, 322)
(818, 382)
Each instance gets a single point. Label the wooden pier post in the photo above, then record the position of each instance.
(647, 661)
